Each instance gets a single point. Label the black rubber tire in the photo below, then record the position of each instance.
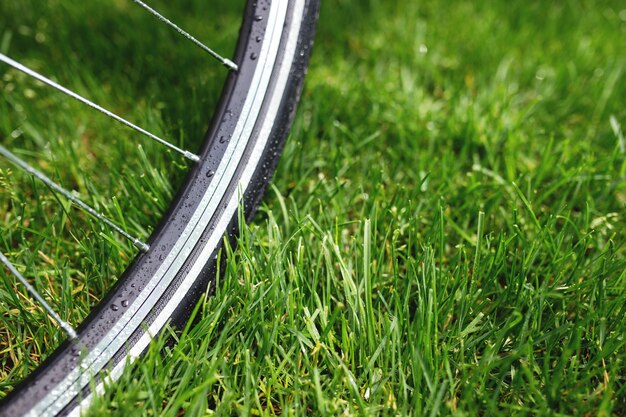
(143, 293)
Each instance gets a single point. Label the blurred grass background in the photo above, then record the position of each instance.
(444, 234)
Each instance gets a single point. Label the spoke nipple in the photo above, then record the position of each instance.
(230, 64)
(71, 333)
(192, 156)
(140, 245)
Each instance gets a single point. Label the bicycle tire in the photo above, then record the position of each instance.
(237, 159)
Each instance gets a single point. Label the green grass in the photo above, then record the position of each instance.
(444, 234)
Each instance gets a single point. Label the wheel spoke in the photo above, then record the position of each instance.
(45, 179)
(227, 62)
(71, 333)
(76, 96)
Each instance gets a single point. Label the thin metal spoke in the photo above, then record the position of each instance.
(42, 177)
(62, 323)
(47, 81)
(227, 62)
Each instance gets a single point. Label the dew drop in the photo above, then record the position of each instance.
(258, 18)
(124, 303)
(253, 56)
(209, 173)
(114, 307)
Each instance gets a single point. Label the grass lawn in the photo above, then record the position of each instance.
(445, 233)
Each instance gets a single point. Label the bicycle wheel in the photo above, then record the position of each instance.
(236, 161)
